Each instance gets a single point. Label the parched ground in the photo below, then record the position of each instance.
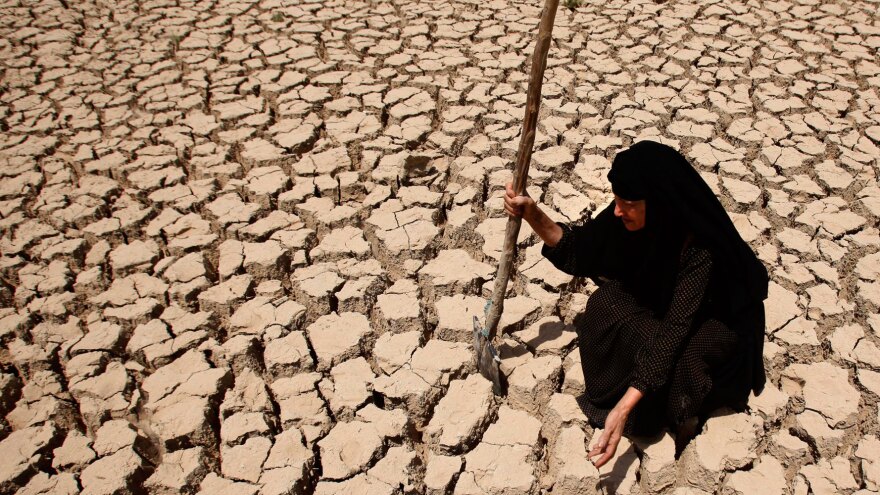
(242, 241)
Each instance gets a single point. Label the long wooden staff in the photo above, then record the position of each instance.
(523, 159)
(521, 172)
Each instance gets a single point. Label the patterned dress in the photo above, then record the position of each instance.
(674, 359)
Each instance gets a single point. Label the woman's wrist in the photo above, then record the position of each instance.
(630, 399)
(546, 228)
(531, 213)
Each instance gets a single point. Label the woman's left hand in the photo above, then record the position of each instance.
(606, 447)
(615, 422)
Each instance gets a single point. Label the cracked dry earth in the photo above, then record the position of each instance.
(242, 241)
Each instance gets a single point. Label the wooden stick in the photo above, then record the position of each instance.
(523, 159)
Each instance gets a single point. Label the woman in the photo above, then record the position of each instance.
(676, 327)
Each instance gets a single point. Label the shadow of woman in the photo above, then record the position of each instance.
(549, 331)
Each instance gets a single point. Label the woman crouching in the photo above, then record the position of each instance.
(676, 327)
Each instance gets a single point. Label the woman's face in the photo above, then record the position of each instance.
(631, 213)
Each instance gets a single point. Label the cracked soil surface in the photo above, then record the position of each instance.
(242, 240)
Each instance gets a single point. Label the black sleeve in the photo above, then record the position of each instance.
(654, 361)
(579, 251)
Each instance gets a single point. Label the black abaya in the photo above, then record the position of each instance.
(679, 313)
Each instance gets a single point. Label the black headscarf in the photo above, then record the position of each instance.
(680, 207)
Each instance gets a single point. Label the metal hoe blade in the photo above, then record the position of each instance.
(487, 358)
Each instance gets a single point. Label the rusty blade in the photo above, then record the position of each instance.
(487, 359)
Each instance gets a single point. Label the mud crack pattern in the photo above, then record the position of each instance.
(242, 240)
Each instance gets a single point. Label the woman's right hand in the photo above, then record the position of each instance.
(519, 206)
(526, 208)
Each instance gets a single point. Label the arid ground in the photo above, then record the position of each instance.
(243, 241)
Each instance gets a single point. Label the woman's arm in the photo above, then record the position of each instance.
(525, 207)
(655, 360)
(575, 249)
(614, 425)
